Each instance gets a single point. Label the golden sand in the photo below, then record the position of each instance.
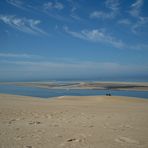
(73, 122)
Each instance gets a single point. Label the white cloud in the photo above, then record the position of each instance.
(135, 12)
(112, 5)
(124, 22)
(53, 5)
(74, 6)
(16, 55)
(59, 5)
(23, 24)
(51, 9)
(96, 35)
(141, 22)
(16, 3)
(101, 36)
(138, 47)
(136, 8)
(100, 14)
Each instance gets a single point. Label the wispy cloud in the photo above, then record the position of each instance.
(112, 5)
(54, 11)
(136, 21)
(101, 36)
(17, 55)
(53, 5)
(16, 3)
(30, 26)
(136, 8)
(138, 47)
(96, 35)
(124, 22)
(24, 5)
(74, 6)
(141, 22)
(135, 11)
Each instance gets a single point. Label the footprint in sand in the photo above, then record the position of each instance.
(70, 141)
(28, 146)
(73, 139)
(48, 116)
(126, 140)
(19, 137)
(80, 140)
(11, 121)
(34, 122)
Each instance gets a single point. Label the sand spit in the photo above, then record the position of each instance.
(73, 122)
(139, 86)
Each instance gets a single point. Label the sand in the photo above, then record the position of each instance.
(73, 122)
(136, 86)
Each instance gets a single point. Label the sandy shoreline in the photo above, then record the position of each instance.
(73, 122)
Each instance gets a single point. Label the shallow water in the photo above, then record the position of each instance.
(48, 93)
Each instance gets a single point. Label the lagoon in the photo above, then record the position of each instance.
(49, 93)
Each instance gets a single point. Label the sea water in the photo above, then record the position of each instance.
(49, 93)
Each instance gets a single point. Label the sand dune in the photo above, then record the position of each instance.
(73, 122)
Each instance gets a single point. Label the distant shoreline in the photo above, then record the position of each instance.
(133, 86)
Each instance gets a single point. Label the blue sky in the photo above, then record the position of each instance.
(73, 39)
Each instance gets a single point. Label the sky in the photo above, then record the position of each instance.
(73, 39)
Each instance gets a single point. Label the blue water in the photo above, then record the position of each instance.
(48, 93)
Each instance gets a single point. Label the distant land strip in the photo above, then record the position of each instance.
(136, 86)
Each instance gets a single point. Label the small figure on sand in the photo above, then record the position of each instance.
(108, 94)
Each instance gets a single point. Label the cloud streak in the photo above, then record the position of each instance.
(135, 12)
(16, 55)
(101, 36)
(95, 35)
(30, 26)
(53, 5)
(16, 3)
(112, 5)
(124, 22)
(136, 8)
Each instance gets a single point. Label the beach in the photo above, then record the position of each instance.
(73, 122)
